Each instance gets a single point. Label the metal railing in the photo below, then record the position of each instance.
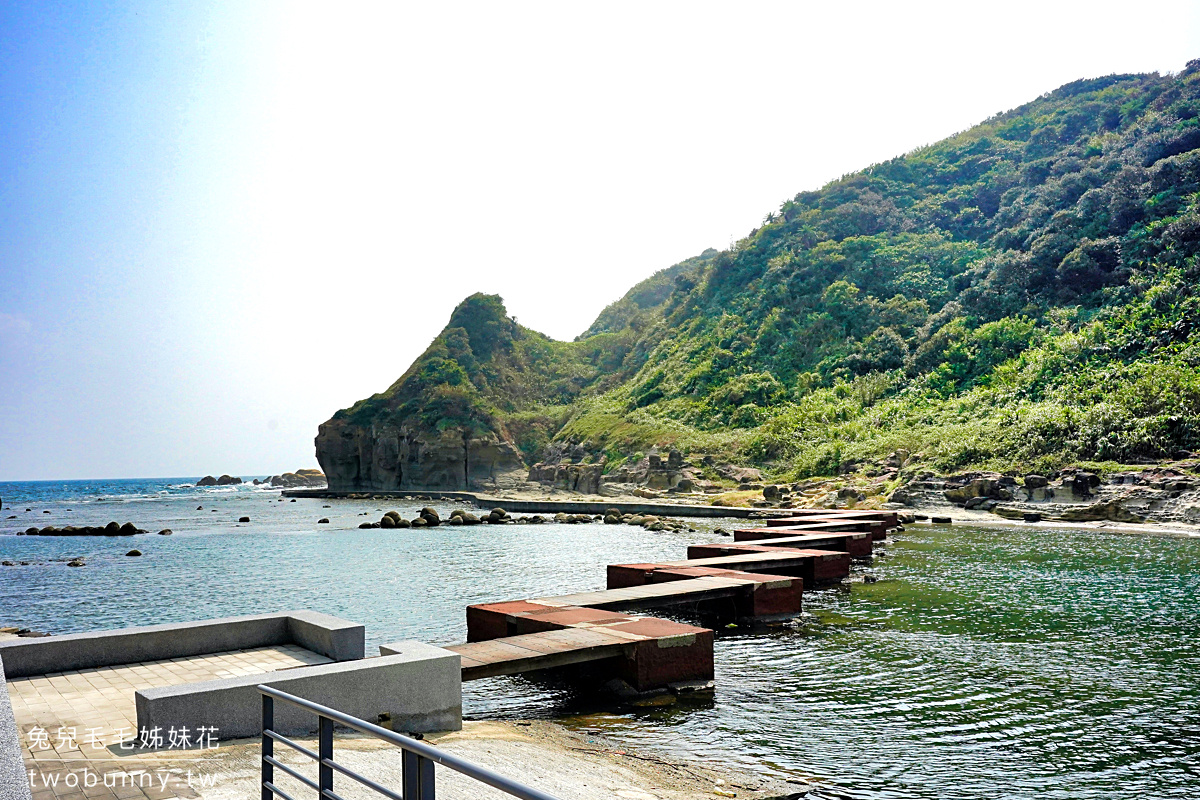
(416, 767)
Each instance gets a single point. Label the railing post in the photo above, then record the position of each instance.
(325, 751)
(268, 746)
(417, 777)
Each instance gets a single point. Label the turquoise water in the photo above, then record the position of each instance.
(984, 663)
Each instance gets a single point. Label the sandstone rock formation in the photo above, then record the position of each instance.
(564, 468)
(963, 488)
(656, 474)
(401, 457)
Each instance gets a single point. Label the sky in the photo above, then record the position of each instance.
(220, 222)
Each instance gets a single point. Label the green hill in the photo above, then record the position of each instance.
(1019, 295)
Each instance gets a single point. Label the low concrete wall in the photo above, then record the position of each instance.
(321, 633)
(598, 506)
(14, 783)
(419, 687)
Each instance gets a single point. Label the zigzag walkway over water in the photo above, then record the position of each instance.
(758, 581)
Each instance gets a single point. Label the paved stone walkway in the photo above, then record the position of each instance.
(81, 727)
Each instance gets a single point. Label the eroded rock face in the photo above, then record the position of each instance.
(1111, 510)
(988, 485)
(584, 478)
(563, 468)
(398, 458)
(655, 473)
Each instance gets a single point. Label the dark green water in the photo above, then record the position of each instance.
(984, 663)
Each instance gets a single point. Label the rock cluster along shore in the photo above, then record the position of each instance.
(23, 633)
(1159, 493)
(224, 480)
(300, 479)
(111, 529)
(570, 467)
(429, 517)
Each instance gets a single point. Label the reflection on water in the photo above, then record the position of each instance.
(984, 663)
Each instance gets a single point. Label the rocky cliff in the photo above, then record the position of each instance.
(382, 456)
(473, 411)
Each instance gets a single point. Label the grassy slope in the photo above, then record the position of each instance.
(1019, 295)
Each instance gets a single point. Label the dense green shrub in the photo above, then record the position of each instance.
(1022, 293)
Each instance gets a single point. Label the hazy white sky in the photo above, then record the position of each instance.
(221, 222)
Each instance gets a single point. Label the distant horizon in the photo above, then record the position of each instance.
(243, 475)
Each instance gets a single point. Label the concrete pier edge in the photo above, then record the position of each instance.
(542, 506)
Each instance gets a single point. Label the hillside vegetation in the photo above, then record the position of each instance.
(1021, 295)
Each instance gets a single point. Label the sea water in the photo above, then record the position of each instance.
(983, 662)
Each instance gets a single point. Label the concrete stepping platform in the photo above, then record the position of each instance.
(534, 651)
(646, 652)
(814, 567)
(877, 530)
(858, 545)
(761, 575)
(877, 522)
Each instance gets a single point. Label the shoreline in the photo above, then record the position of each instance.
(573, 502)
